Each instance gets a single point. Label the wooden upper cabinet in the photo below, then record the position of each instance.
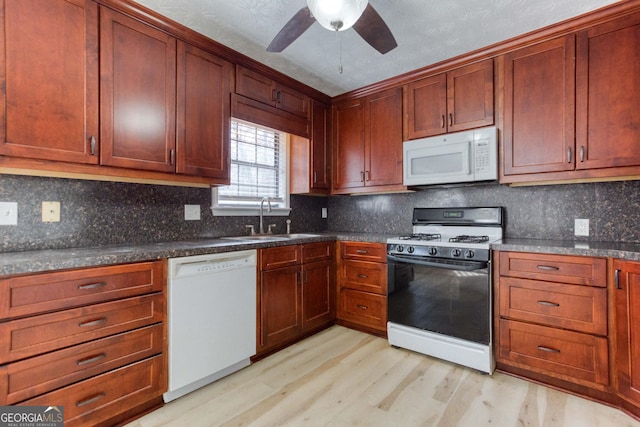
(608, 95)
(348, 144)
(367, 142)
(538, 133)
(450, 102)
(383, 138)
(137, 94)
(49, 80)
(261, 88)
(203, 113)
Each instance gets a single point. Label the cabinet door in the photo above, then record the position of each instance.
(320, 146)
(470, 96)
(425, 106)
(383, 138)
(627, 329)
(608, 95)
(204, 113)
(348, 144)
(292, 101)
(137, 94)
(280, 311)
(255, 86)
(318, 294)
(539, 108)
(49, 79)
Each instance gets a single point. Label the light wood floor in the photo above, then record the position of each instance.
(341, 377)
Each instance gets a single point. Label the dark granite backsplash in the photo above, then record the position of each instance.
(101, 213)
(97, 213)
(540, 212)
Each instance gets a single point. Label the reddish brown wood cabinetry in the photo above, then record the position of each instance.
(296, 293)
(362, 286)
(571, 105)
(551, 318)
(450, 102)
(626, 295)
(367, 143)
(92, 340)
(49, 80)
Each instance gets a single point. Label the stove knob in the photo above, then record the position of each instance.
(456, 252)
(400, 248)
(410, 249)
(469, 254)
(433, 251)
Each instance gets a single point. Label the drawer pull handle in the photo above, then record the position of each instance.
(92, 285)
(91, 359)
(362, 251)
(363, 276)
(92, 322)
(549, 303)
(362, 307)
(548, 349)
(548, 268)
(91, 399)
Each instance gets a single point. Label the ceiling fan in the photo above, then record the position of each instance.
(337, 15)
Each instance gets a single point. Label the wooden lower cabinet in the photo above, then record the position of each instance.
(296, 293)
(362, 287)
(92, 340)
(626, 292)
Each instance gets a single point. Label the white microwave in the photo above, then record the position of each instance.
(467, 156)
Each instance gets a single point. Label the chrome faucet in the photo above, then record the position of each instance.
(262, 212)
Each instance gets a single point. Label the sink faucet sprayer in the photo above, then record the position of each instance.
(262, 210)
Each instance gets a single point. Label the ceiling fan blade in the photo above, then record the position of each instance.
(374, 31)
(293, 29)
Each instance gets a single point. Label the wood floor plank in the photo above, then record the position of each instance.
(341, 377)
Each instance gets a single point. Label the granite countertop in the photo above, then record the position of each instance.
(57, 259)
(627, 251)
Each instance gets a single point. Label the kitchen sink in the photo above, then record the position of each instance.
(272, 237)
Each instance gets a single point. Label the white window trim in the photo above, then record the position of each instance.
(222, 210)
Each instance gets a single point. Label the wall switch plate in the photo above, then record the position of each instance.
(191, 212)
(324, 212)
(581, 227)
(8, 213)
(50, 211)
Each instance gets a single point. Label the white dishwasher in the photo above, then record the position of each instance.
(212, 318)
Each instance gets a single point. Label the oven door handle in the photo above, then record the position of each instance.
(453, 265)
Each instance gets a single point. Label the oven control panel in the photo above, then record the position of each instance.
(438, 252)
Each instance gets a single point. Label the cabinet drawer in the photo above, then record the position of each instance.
(571, 356)
(576, 270)
(31, 377)
(279, 257)
(39, 334)
(363, 251)
(39, 293)
(363, 308)
(581, 308)
(321, 251)
(365, 276)
(100, 398)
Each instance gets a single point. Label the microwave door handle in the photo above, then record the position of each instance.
(470, 159)
(466, 266)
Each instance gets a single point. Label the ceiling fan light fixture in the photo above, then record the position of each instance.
(337, 15)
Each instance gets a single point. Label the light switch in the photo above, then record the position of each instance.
(50, 211)
(192, 212)
(8, 213)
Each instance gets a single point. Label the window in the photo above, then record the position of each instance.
(258, 170)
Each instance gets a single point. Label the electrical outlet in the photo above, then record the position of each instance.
(191, 212)
(8, 213)
(324, 212)
(50, 211)
(581, 227)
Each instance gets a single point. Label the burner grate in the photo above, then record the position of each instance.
(469, 239)
(421, 236)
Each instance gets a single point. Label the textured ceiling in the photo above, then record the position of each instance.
(427, 31)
